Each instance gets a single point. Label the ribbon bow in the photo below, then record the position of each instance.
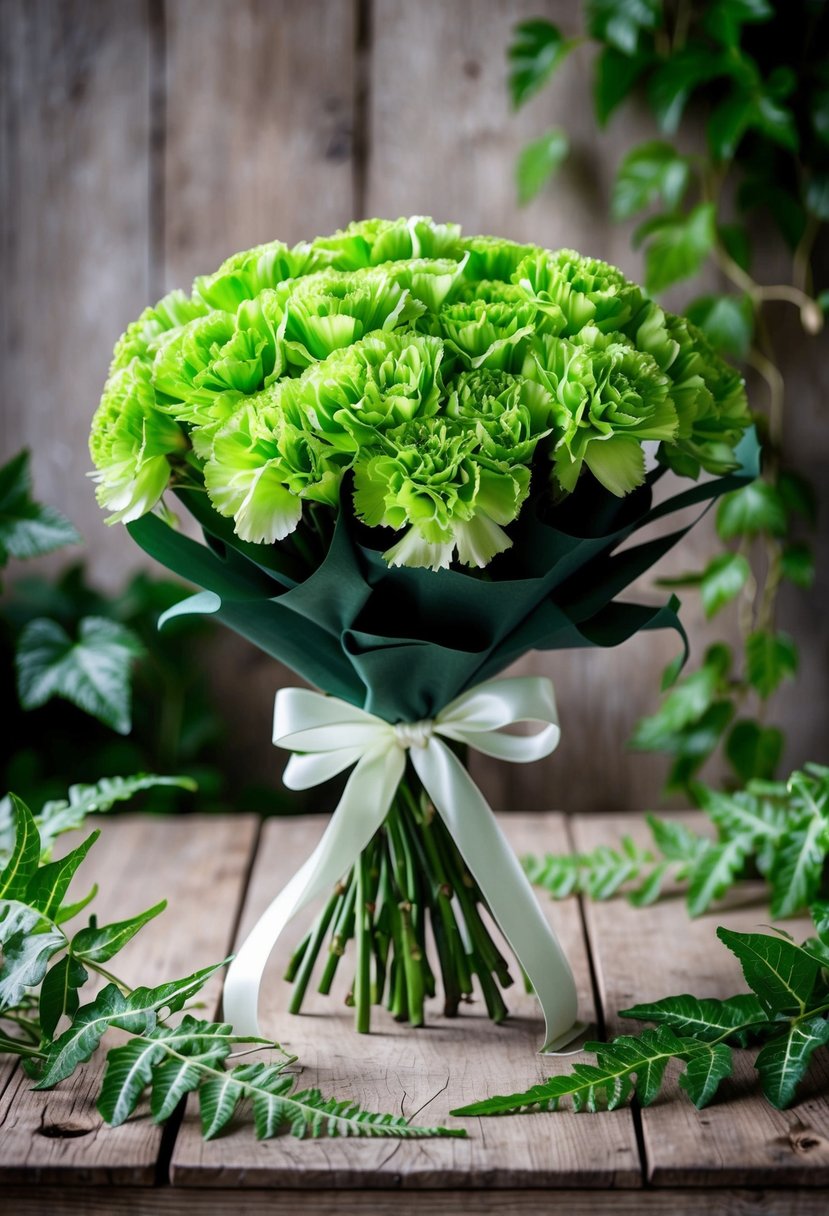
(331, 736)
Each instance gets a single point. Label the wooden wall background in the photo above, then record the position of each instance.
(142, 141)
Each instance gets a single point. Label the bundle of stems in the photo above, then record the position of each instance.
(410, 876)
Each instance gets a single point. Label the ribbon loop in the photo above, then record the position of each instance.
(330, 735)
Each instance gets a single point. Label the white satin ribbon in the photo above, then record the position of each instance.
(332, 735)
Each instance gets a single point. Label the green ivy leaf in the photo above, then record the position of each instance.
(538, 161)
(753, 750)
(59, 993)
(797, 564)
(621, 23)
(784, 207)
(679, 75)
(723, 580)
(93, 672)
(704, 1018)
(757, 507)
(27, 948)
(615, 77)
(685, 704)
(780, 973)
(28, 529)
(677, 246)
(650, 171)
(695, 743)
(782, 1063)
(770, 658)
(735, 240)
(728, 124)
(98, 944)
(817, 196)
(724, 19)
(537, 49)
(726, 321)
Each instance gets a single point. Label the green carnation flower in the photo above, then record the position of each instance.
(263, 465)
(493, 258)
(606, 402)
(488, 333)
(711, 404)
(155, 326)
(372, 242)
(203, 372)
(327, 311)
(246, 274)
(509, 414)
(428, 479)
(571, 291)
(374, 385)
(130, 442)
(430, 280)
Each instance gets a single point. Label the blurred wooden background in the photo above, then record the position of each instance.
(142, 141)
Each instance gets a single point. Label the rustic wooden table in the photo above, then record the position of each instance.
(737, 1157)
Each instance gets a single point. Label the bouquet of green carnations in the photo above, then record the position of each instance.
(414, 456)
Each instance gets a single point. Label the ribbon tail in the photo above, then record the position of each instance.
(364, 805)
(496, 869)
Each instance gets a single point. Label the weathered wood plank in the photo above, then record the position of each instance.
(260, 118)
(175, 1201)
(641, 954)
(74, 189)
(199, 863)
(422, 1073)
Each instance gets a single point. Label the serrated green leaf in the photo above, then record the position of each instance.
(782, 1063)
(753, 750)
(723, 580)
(537, 49)
(726, 321)
(614, 79)
(780, 973)
(678, 247)
(538, 161)
(704, 1072)
(557, 874)
(67, 814)
(99, 944)
(704, 1018)
(799, 860)
(685, 704)
(797, 564)
(650, 171)
(136, 1013)
(715, 872)
(92, 672)
(770, 658)
(621, 23)
(757, 507)
(740, 814)
(28, 529)
(676, 841)
(59, 993)
(25, 854)
(26, 947)
(650, 889)
(49, 884)
(606, 1084)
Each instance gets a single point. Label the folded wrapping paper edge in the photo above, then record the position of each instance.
(329, 735)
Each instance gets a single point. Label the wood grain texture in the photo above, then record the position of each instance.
(422, 1073)
(642, 954)
(259, 126)
(199, 863)
(74, 117)
(177, 1201)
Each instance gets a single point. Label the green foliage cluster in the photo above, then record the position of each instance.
(786, 1013)
(72, 658)
(779, 830)
(753, 77)
(45, 1022)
